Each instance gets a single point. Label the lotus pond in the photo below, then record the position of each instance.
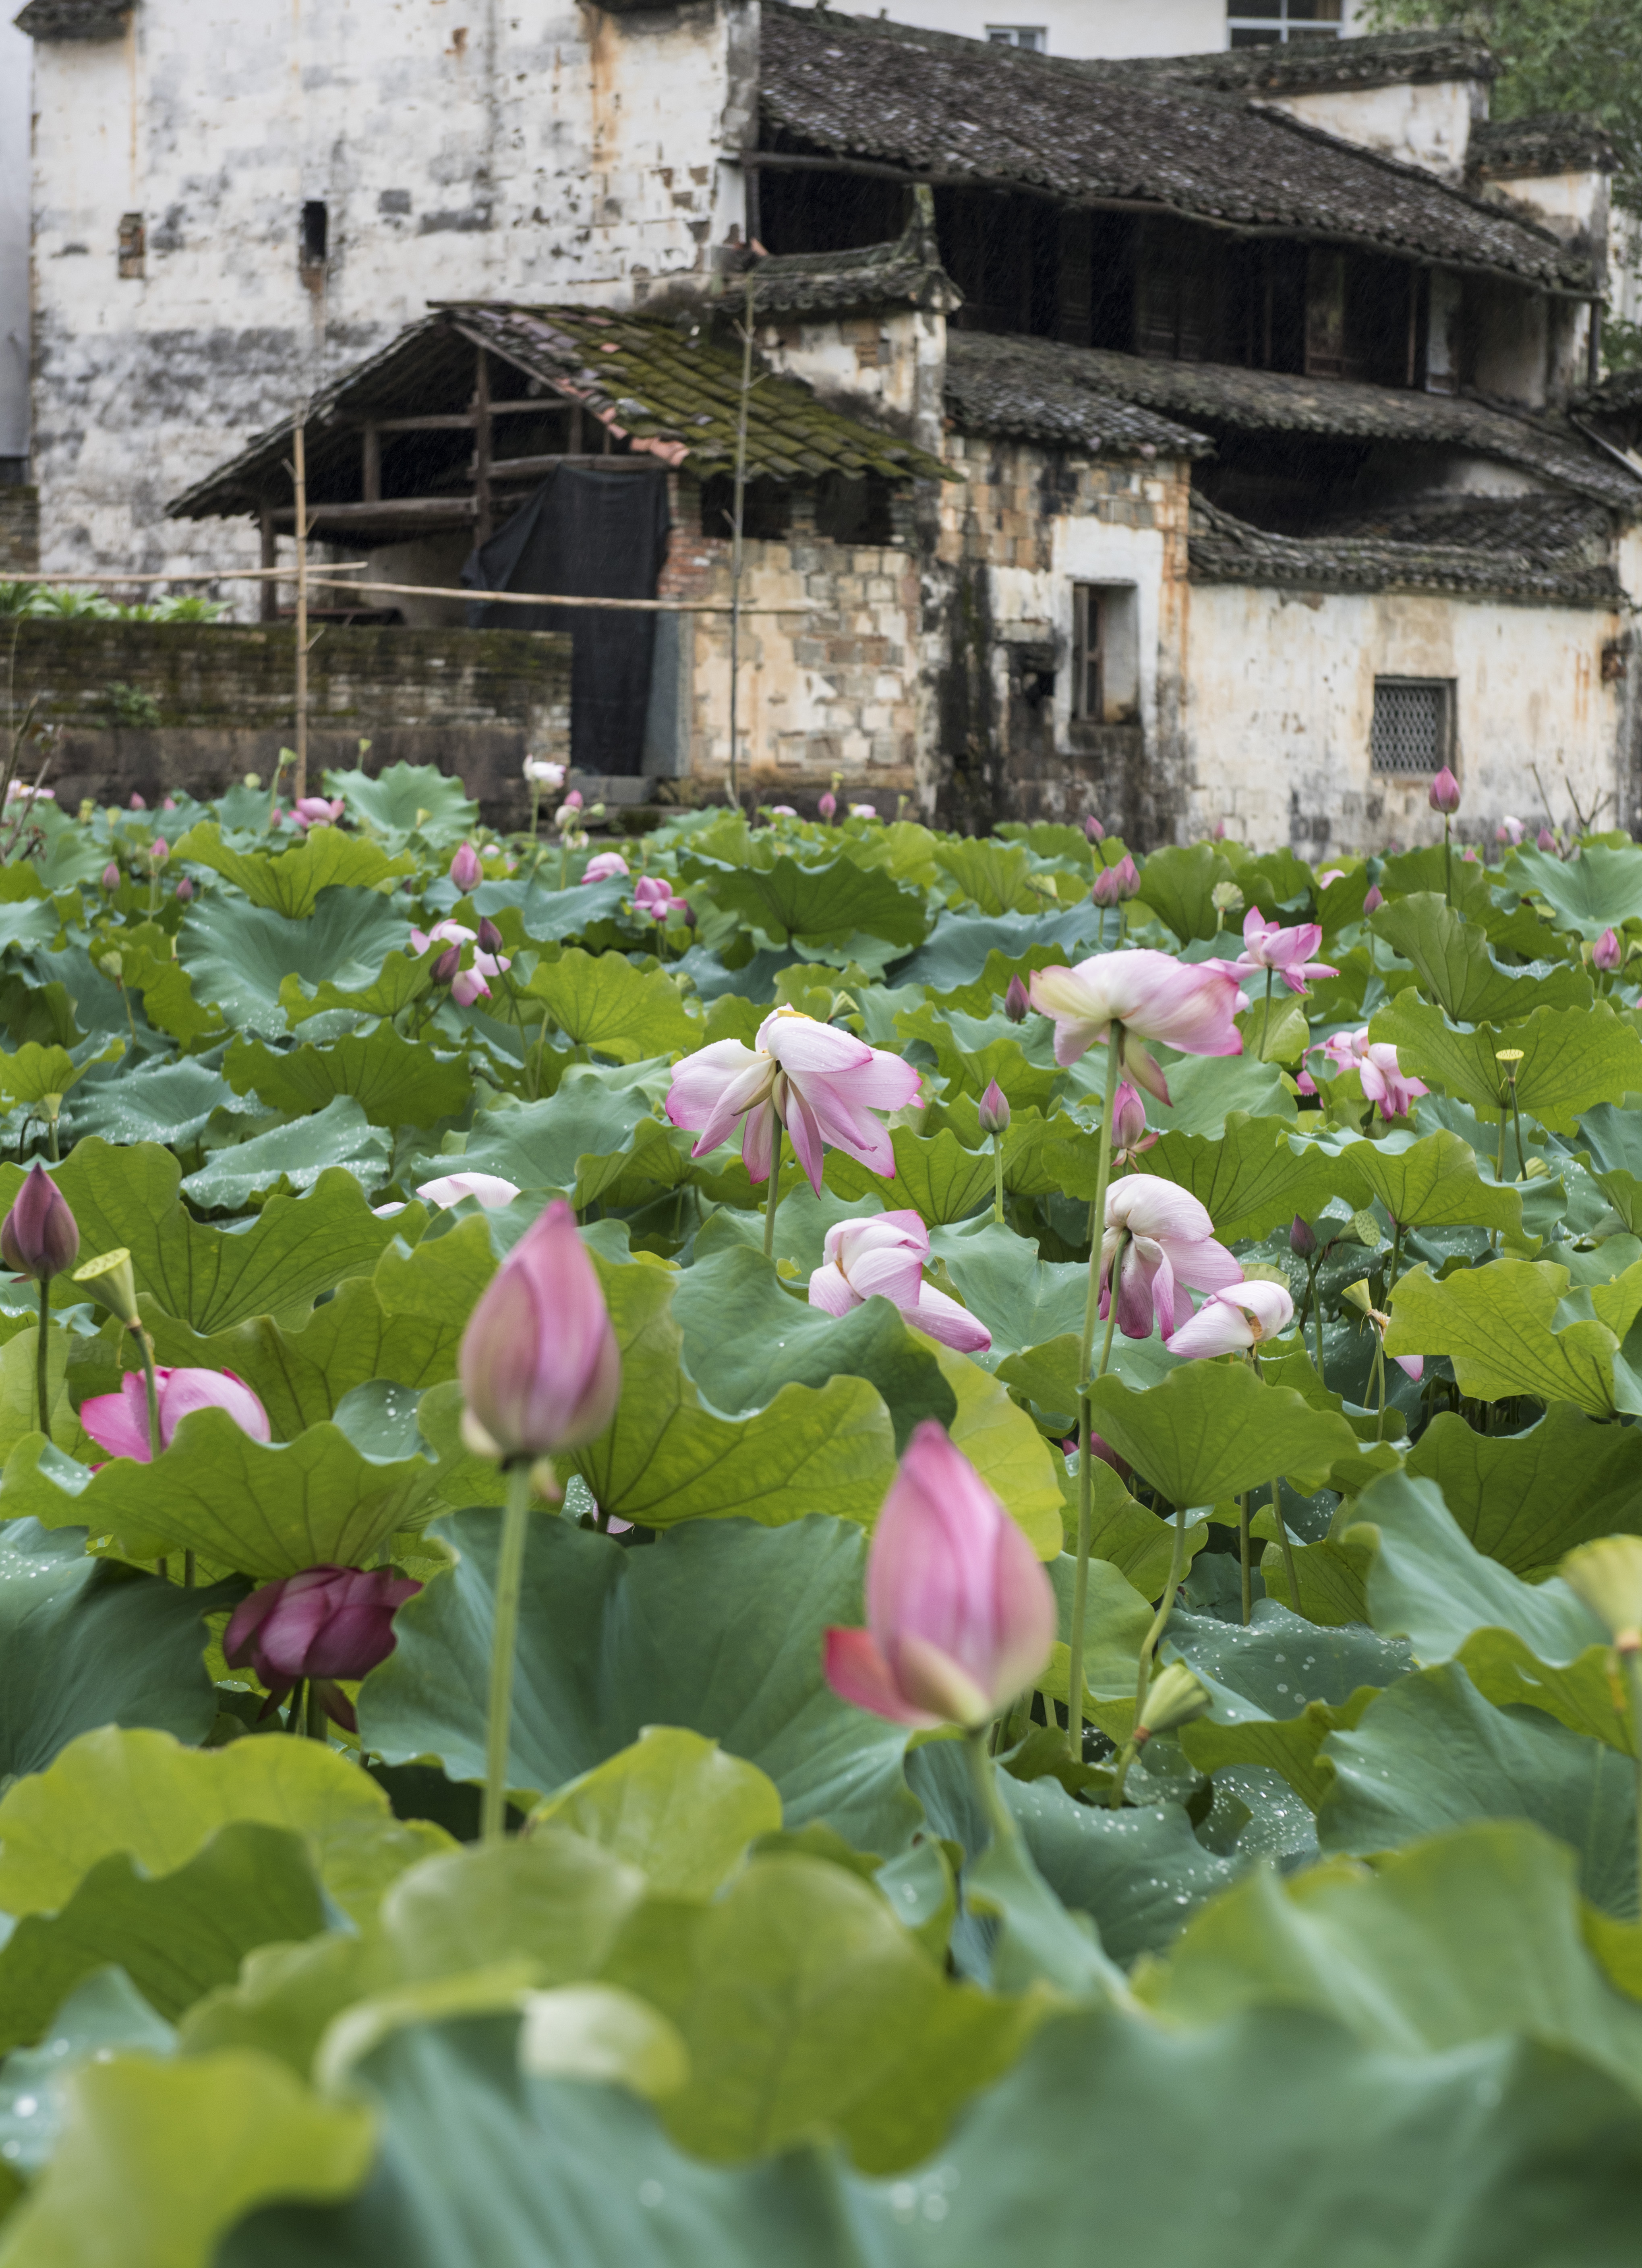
(816, 1543)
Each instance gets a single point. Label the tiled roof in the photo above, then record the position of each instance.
(1548, 142)
(670, 389)
(1502, 548)
(906, 272)
(1417, 58)
(74, 19)
(1038, 390)
(964, 111)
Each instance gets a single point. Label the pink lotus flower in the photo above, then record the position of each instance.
(466, 872)
(1129, 1137)
(1153, 997)
(1113, 885)
(655, 897)
(317, 811)
(960, 1615)
(1331, 874)
(1305, 1084)
(1168, 1241)
(1233, 1319)
(467, 984)
(606, 867)
(863, 811)
(1608, 952)
(1412, 1364)
(119, 1422)
(821, 1084)
(1443, 793)
(1509, 830)
(491, 1190)
(324, 1624)
(783, 811)
(992, 1110)
(540, 1365)
(1286, 952)
(886, 1255)
(1384, 1080)
(827, 804)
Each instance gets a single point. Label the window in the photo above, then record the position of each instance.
(1105, 653)
(1031, 36)
(315, 234)
(1413, 728)
(133, 247)
(1268, 23)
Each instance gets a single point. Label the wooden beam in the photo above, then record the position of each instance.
(370, 464)
(530, 468)
(419, 510)
(269, 595)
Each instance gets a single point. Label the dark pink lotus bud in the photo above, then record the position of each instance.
(185, 891)
(490, 936)
(1108, 1455)
(1093, 829)
(994, 1110)
(138, 802)
(1129, 1117)
(573, 800)
(110, 878)
(1545, 839)
(1374, 899)
(827, 806)
(39, 1237)
(1445, 792)
(1114, 884)
(1302, 1241)
(324, 1624)
(444, 967)
(1608, 952)
(466, 872)
(540, 1365)
(1016, 1000)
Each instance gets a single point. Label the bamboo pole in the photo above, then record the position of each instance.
(300, 483)
(735, 553)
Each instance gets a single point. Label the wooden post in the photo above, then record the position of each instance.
(300, 464)
(481, 448)
(735, 553)
(370, 464)
(270, 560)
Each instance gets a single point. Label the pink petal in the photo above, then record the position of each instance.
(1214, 1329)
(858, 1673)
(944, 1319)
(119, 1422)
(758, 1142)
(1148, 1205)
(830, 1289)
(188, 1390)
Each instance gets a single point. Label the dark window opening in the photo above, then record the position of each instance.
(133, 247)
(1412, 732)
(315, 242)
(1105, 653)
(827, 212)
(853, 510)
(766, 509)
(1004, 252)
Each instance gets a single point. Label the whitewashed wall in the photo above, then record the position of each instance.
(16, 63)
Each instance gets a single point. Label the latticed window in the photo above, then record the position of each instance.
(1413, 727)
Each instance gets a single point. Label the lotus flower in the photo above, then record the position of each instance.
(1287, 953)
(1373, 899)
(783, 811)
(540, 1365)
(490, 1190)
(1235, 1319)
(886, 1255)
(317, 811)
(1509, 830)
(959, 1615)
(39, 1237)
(467, 984)
(111, 877)
(119, 1422)
(541, 773)
(466, 872)
(863, 811)
(1129, 1137)
(655, 897)
(992, 1110)
(1608, 952)
(1113, 885)
(604, 866)
(1384, 1080)
(1168, 1241)
(1153, 997)
(324, 1624)
(1329, 875)
(821, 1084)
(1443, 793)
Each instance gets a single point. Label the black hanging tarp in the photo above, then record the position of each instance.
(595, 535)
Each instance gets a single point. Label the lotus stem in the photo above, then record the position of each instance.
(983, 1774)
(772, 1196)
(510, 1576)
(42, 1359)
(1245, 1513)
(1154, 1637)
(997, 1178)
(146, 1348)
(1631, 1657)
(1085, 1476)
(1284, 1538)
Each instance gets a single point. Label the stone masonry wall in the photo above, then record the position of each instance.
(20, 532)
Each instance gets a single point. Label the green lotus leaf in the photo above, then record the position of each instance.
(602, 1001)
(1209, 1431)
(340, 1137)
(991, 876)
(403, 978)
(396, 1083)
(1256, 1175)
(290, 883)
(963, 949)
(537, 1146)
(165, 1102)
(817, 904)
(675, 1806)
(1572, 1058)
(1600, 889)
(407, 800)
(1457, 970)
(1431, 1183)
(1525, 1499)
(1511, 1328)
(972, 1051)
(244, 959)
(1179, 883)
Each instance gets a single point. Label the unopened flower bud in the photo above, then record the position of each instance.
(466, 872)
(1302, 1242)
(185, 891)
(160, 850)
(490, 936)
(1445, 792)
(1016, 1000)
(1545, 839)
(445, 968)
(1608, 952)
(994, 1110)
(1129, 1117)
(138, 802)
(39, 1236)
(827, 806)
(110, 878)
(111, 1278)
(1173, 1697)
(540, 1364)
(1374, 899)
(1093, 829)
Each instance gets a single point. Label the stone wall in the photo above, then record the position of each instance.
(19, 531)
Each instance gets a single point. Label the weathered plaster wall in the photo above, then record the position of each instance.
(1279, 700)
(15, 64)
(888, 366)
(460, 147)
(1428, 126)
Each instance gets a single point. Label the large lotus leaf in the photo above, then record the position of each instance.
(1048, 1375)
(675, 1806)
(290, 883)
(815, 904)
(265, 1509)
(138, 1791)
(603, 1002)
(550, 916)
(1572, 1058)
(1528, 1642)
(149, 967)
(961, 947)
(745, 1337)
(101, 2017)
(168, 1102)
(86, 1642)
(240, 956)
(716, 1628)
(30, 1073)
(1615, 1155)
(1600, 889)
(934, 1175)
(340, 1137)
(1500, 1327)
(973, 1051)
(176, 1937)
(807, 2009)
(536, 1146)
(1474, 1935)
(1204, 1091)
(407, 800)
(666, 1457)
(1211, 1430)
(404, 976)
(1179, 883)
(1432, 1183)
(157, 2161)
(1433, 1754)
(1499, 2148)
(1460, 975)
(992, 875)
(1256, 1174)
(1525, 1499)
(1022, 1299)
(395, 1082)
(211, 1278)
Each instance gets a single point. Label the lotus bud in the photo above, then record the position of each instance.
(1509, 830)
(490, 936)
(1099, 1447)
(110, 1276)
(1545, 839)
(39, 1236)
(160, 851)
(1173, 1697)
(828, 807)
(1129, 1117)
(185, 891)
(1016, 1000)
(1608, 952)
(994, 1110)
(1107, 889)
(110, 878)
(466, 872)
(445, 968)
(1607, 1578)
(138, 802)
(1374, 899)
(1302, 1241)
(540, 1365)
(1093, 829)
(1445, 792)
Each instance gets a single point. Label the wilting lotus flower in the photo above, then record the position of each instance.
(1016, 1000)
(655, 897)
(1232, 1320)
(324, 1624)
(1443, 793)
(827, 805)
(119, 1422)
(1509, 830)
(1608, 952)
(886, 1255)
(960, 1617)
(1153, 997)
(1168, 1242)
(1384, 1080)
(1287, 953)
(491, 1190)
(466, 872)
(604, 866)
(39, 1237)
(540, 1365)
(1129, 1137)
(821, 1084)
(317, 811)
(1113, 885)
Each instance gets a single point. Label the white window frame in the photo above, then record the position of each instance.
(1033, 37)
